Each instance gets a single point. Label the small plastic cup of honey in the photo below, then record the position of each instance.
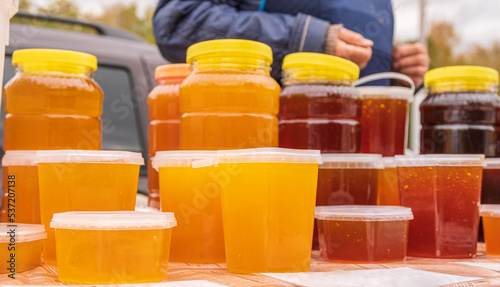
(491, 227)
(443, 191)
(20, 187)
(268, 202)
(363, 233)
(112, 247)
(20, 246)
(84, 180)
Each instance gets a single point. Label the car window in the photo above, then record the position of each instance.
(119, 122)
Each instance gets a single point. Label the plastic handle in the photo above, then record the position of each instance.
(386, 75)
(202, 163)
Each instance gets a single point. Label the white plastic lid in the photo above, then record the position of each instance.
(183, 159)
(113, 220)
(363, 213)
(352, 160)
(490, 210)
(392, 93)
(89, 156)
(492, 163)
(441, 160)
(389, 162)
(19, 158)
(23, 232)
(269, 155)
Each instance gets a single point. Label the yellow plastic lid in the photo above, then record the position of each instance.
(467, 75)
(229, 48)
(172, 71)
(52, 56)
(317, 61)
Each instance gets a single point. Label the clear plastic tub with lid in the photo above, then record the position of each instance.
(319, 107)
(26, 247)
(268, 208)
(355, 233)
(112, 247)
(165, 119)
(20, 188)
(81, 180)
(190, 187)
(443, 192)
(230, 100)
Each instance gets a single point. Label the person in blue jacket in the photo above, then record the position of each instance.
(358, 30)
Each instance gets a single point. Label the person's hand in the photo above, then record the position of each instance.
(354, 47)
(411, 60)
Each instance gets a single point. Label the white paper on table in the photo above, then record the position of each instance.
(485, 265)
(407, 277)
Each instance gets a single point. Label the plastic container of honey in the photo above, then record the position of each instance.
(388, 191)
(7, 9)
(319, 107)
(20, 201)
(268, 208)
(443, 192)
(190, 188)
(230, 100)
(491, 226)
(20, 246)
(165, 119)
(384, 116)
(346, 179)
(78, 180)
(112, 247)
(460, 113)
(52, 102)
(363, 233)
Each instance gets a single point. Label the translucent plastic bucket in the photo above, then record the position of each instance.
(443, 192)
(24, 241)
(112, 247)
(82, 180)
(363, 233)
(7, 9)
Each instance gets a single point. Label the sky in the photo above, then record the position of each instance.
(476, 21)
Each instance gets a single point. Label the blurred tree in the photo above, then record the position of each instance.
(25, 5)
(65, 8)
(441, 40)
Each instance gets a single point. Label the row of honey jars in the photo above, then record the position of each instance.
(51, 103)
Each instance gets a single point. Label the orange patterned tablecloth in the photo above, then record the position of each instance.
(47, 275)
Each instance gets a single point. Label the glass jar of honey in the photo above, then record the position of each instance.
(165, 119)
(230, 100)
(461, 114)
(52, 102)
(319, 107)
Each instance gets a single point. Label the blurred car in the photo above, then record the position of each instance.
(125, 73)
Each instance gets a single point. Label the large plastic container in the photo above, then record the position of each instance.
(230, 100)
(491, 225)
(112, 247)
(319, 107)
(443, 192)
(384, 117)
(190, 187)
(268, 208)
(348, 179)
(165, 119)
(388, 191)
(21, 200)
(357, 233)
(78, 180)
(20, 247)
(52, 102)
(7, 9)
(461, 113)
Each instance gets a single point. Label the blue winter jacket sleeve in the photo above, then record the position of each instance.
(181, 23)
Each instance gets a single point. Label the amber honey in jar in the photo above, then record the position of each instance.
(319, 107)
(165, 119)
(461, 114)
(52, 102)
(229, 100)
